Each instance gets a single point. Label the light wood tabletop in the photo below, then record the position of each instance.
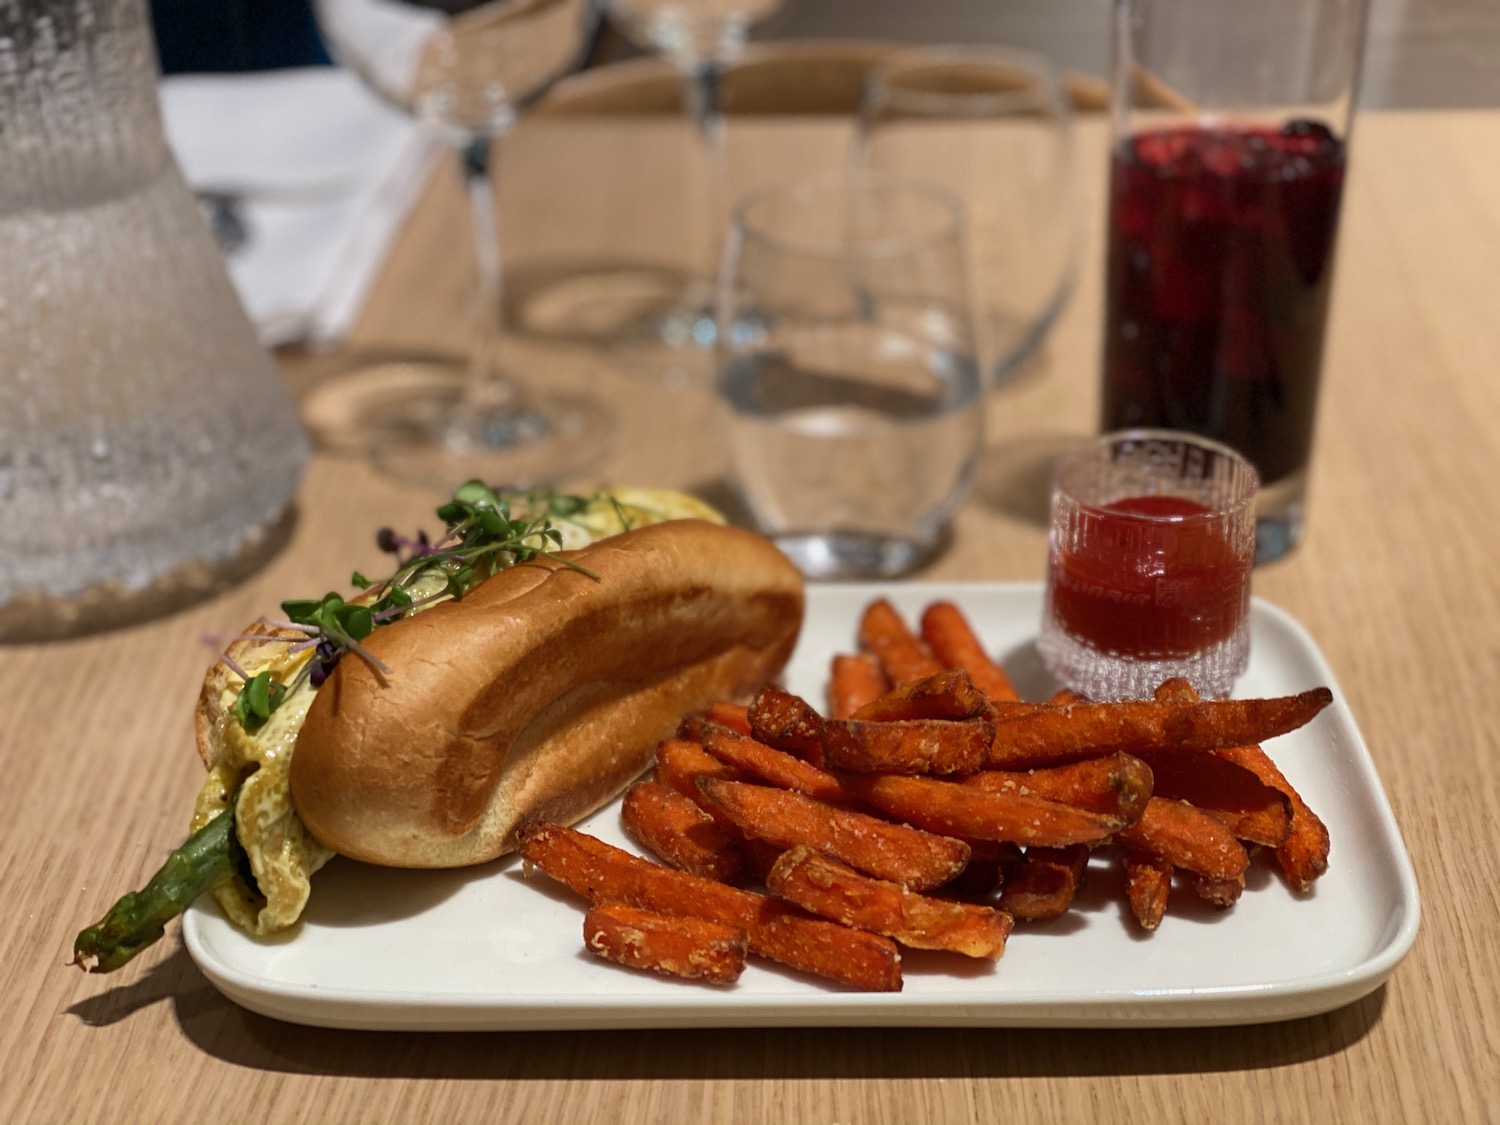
(1397, 582)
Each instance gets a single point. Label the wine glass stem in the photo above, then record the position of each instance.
(488, 390)
(703, 94)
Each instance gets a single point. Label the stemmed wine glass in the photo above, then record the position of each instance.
(467, 69)
(702, 38)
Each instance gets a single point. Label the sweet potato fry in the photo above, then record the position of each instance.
(1222, 893)
(1176, 690)
(915, 746)
(731, 715)
(1254, 811)
(760, 857)
(680, 763)
(854, 679)
(1303, 855)
(1003, 852)
(776, 766)
(866, 961)
(692, 948)
(673, 827)
(897, 852)
(989, 860)
(600, 873)
(902, 655)
(1045, 883)
(1117, 784)
(953, 641)
(948, 694)
(1012, 708)
(826, 887)
(788, 722)
(1148, 881)
(955, 809)
(1051, 735)
(1189, 838)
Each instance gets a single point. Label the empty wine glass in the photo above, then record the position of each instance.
(467, 69)
(702, 38)
(993, 126)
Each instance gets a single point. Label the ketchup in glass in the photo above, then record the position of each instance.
(1150, 577)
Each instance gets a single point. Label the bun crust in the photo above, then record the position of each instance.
(540, 694)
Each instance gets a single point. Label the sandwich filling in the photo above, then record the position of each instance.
(253, 759)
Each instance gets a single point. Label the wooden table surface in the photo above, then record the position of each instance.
(1397, 581)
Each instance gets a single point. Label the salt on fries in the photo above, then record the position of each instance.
(930, 808)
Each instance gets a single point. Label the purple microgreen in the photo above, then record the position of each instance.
(289, 626)
(324, 662)
(390, 613)
(481, 538)
(368, 657)
(230, 663)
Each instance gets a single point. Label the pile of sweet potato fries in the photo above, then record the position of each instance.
(932, 809)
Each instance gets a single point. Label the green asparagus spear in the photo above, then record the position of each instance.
(210, 855)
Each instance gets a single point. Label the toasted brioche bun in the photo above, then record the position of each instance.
(540, 694)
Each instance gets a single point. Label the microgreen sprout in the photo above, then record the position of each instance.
(483, 536)
(257, 699)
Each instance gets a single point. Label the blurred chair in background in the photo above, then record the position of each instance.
(773, 77)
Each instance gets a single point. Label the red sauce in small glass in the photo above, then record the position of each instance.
(1150, 588)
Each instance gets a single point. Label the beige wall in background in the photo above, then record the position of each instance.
(1422, 53)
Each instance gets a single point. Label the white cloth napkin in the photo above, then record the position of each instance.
(324, 173)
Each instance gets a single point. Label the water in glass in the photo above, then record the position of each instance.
(849, 380)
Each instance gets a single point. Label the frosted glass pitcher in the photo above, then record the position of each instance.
(147, 446)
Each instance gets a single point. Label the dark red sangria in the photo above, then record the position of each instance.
(1220, 267)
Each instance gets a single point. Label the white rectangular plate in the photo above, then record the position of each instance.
(492, 948)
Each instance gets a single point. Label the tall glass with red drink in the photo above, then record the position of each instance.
(1231, 126)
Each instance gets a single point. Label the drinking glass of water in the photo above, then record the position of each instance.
(848, 373)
